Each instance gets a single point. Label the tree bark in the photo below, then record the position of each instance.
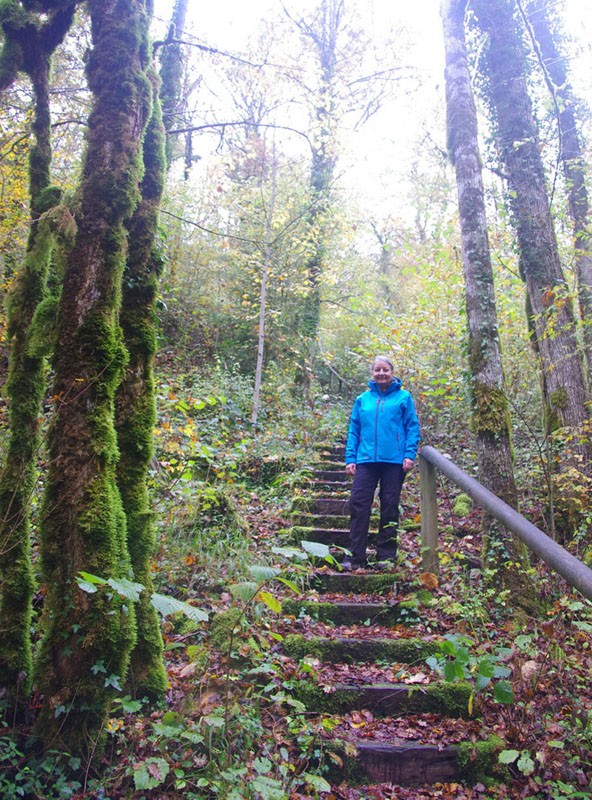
(519, 147)
(27, 48)
(88, 637)
(572, 159)
(490, 417)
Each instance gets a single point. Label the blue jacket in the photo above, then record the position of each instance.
(383, 426)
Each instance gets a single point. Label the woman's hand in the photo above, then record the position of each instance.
(350, 469)
(408, 464)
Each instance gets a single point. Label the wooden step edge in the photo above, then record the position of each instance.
(349, 650)
(389, 699)
(345, 613)
(413, 763)
(370, 582)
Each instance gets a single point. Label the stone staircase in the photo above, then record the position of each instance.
(372, 626)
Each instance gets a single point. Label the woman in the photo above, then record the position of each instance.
(381, 448)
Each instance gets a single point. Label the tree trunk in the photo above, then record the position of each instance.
(27, 48)
(135, 409)
(88, 637)
(519, 146)
(135, 402)
(263, 293)
(490, 418)
(572, 159)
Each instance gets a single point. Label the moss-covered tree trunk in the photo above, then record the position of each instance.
(29, 41)
(490, 418)
(573, 160)
(506, 70)
(87, 638)
(135, 405)
(135, 402)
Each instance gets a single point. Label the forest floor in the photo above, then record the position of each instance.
(232, 728)
(242, 693)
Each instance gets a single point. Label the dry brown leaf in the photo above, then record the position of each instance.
(429, 581)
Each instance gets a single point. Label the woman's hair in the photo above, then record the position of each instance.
(386, 359)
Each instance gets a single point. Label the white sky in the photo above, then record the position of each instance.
(380, 153)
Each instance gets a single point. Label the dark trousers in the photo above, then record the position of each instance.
(366, 479)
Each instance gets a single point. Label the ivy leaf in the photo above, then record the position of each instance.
(525, 763)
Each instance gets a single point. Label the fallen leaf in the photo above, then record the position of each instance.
(429, 581)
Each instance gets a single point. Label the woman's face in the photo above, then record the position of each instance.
(382, 373)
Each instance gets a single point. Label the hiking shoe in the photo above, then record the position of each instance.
(350, 564)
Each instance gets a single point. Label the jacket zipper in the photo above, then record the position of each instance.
(380, 399)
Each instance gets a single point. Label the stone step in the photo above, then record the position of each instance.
(338, 536)
(346, 613)
(321, 505)
(330, 465)
(412, 763)
(389, 699)
(335, 536)
(334, 475)
(300, 519)
(346, 650)
(352, 583)
(332, 450)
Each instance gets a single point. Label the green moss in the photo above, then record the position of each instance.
(224, 627)
(25, 386)
(354, 584)
(303, 503)
(479, 761)
(347, 613)
(42, 332)
(135, 404)
(338, 521)
(13, 15)
(556, 404)
(450, 699)
(491, 414)
(407, 651)
(462, 505)
(88, 639)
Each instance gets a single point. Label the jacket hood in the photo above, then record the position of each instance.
(393, 387)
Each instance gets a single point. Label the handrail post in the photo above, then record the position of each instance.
(429, 516)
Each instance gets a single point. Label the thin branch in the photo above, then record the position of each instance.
(240, 123)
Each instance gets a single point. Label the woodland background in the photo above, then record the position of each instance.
(202, 245)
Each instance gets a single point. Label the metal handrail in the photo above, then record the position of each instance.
(575, 572)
